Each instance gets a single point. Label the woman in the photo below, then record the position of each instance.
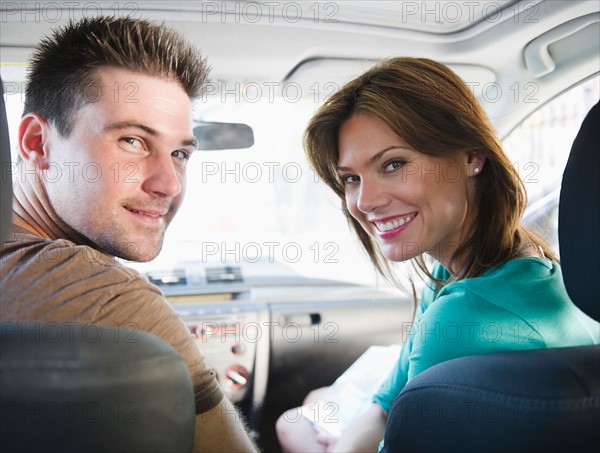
(420, 172)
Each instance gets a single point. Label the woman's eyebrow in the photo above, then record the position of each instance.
(377, 156)
(153, 132)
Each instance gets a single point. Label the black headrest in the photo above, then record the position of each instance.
(579, 217)
(73, 387)
(5, 174)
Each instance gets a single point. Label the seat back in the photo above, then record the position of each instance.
(5, 175)
(537, 400)
(73, 388)
(579, 218)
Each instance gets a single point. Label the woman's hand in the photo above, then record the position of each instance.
(327, 440)
(364, 434)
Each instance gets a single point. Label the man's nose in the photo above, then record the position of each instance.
(163, 177)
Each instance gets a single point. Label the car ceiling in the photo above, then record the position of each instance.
(551, 44)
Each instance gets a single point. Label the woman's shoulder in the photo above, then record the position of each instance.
(521, 287)
(524, 295)
(514, 280)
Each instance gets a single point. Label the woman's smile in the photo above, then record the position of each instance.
(390, 227)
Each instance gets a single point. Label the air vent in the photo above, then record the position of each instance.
(171, 278)
(227, 274)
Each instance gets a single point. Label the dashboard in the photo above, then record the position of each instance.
(264, 335)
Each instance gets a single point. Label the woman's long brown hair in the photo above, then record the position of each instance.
(435, 112)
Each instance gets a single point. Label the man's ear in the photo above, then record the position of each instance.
(475, 163)
(34, 135)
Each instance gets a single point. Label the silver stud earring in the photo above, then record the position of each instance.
(476, 170)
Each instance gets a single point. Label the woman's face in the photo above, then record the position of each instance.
(409, 202)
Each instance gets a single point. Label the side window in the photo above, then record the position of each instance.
(14, 100)
(539, 148)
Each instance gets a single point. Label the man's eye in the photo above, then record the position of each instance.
(132, 142)
(181, 154)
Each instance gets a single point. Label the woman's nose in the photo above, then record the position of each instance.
(372, 195)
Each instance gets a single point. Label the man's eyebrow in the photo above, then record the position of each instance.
(376, 156)
(193, 142)
(153, 132)
(131, 124)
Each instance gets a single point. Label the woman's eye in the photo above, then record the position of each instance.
(349, 179)
(393, 165)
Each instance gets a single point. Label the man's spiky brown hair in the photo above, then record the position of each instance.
(62, 76)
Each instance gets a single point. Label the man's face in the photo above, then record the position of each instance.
(123, 165)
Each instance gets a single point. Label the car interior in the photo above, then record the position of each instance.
(261, 265)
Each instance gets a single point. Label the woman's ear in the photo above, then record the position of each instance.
(475, 163)
(34, 132)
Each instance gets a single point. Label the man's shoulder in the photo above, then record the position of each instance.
(27, 250)
(65, 272)
(32, 249)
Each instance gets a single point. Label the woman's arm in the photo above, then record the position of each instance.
(365, 433)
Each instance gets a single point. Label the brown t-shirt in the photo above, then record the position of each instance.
(60, 281)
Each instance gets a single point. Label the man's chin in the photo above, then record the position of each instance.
(133, 251)
(143, 259)
(140, 256)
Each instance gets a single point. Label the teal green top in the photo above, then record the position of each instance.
(521, 304)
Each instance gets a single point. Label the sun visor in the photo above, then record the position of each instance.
(324, 76)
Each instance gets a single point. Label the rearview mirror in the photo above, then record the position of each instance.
(215, 136)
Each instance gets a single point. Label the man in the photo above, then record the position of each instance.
(103, 143)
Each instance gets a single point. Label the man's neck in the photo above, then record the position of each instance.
(33, 211)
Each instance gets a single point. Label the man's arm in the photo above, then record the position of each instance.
(221, 429)
(365, 433)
